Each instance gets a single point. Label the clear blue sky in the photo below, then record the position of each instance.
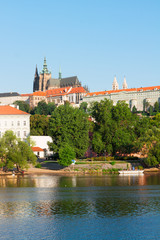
(93, 39)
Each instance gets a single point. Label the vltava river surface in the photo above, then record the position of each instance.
(87, 207)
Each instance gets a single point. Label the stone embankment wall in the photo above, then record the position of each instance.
(105, 166)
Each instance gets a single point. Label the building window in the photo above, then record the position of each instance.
(25, 134)
(12, 123)
(18, 134)
(5, 123)
(24, 123)
(18, 123)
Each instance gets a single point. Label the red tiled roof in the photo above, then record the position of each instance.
(57, 92)
(8, 110)
(77, 90)
(124, 90)
(26, 94)
(37, 149)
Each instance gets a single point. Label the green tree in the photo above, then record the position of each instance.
(134, 109)
(150, 110)
(83, 106)
(115, 126)
(156, 107)
(66, 155)
(97, 143)
(69, 125)
(23, 106)
(154, 155)
(43, 108)
(14, 152)
(39, 125)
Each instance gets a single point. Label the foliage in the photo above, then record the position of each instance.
(43, 108)
(83, 106)
(66, 155)
(38, 165)
(134, 109)
(39, 125)
(23, 106)
(114, 128)
(14, 152)
(154, 155)
(69, 125)
(156, 107)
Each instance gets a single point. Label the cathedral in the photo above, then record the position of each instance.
(44, 80)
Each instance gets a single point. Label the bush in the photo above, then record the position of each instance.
(66, 155)
(38, 165)
(113, 163)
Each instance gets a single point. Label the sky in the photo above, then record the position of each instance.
(92, 39)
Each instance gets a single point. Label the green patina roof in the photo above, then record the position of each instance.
(45, 69)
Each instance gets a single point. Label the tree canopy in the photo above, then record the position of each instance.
(70, 126)
(43, 108)
(39, 125)
(14, 152)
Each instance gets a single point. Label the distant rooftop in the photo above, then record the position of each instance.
(9, 94)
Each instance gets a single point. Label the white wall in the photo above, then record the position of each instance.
(19, 124)
(41, 141)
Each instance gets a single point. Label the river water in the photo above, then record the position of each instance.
(86, 207)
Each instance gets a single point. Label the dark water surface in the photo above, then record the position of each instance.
(88, 207)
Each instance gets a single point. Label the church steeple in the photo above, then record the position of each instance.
(36, 81)
(60, 73)
(45, 69)
(36, 72)
(115, 85)
(124, 83)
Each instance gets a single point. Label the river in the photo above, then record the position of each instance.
(80, 207)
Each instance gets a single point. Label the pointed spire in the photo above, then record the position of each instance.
(45, 69)
(36, 72)
(60, 73)
(115, 85)
(124, 83)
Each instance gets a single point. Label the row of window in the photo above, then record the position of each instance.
(18, 123)
(18, 133)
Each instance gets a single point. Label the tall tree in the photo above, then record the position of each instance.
(70, 126)
(13, 152)
(39, 125)
(23, 106)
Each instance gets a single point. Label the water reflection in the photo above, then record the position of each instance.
(50, 181)
(109, 196)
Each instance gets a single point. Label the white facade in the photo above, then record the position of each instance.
(11, 99)
(133, 97)
(41, 141)
(19, 123)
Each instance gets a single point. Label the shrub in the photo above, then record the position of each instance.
(66, 154)
(113, 163)
(38, 165)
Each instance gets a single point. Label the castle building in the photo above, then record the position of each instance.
(44, 80)
(137, 97)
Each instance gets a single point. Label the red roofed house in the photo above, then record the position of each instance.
(16, 120)
(39, 152)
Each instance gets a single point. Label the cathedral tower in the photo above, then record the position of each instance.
(36, 81)
(45, 75)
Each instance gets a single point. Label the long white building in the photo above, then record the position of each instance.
(16, 120)
(137, 97)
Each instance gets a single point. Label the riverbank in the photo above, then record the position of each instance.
(73, 170)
